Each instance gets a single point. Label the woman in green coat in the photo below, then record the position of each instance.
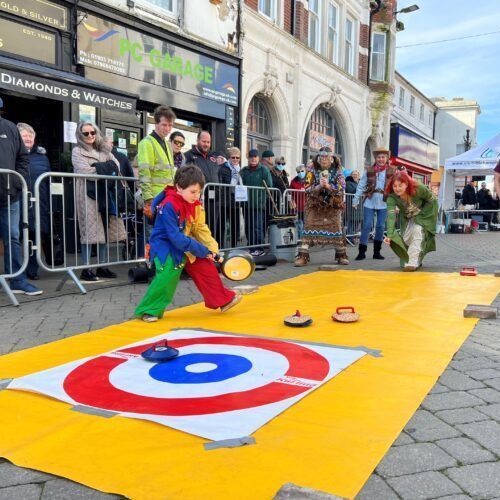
(418, 211)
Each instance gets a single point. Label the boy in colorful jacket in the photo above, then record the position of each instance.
(181, 239)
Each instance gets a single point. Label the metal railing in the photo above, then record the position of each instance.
(96, 212)
(14, 229)
(238, 215)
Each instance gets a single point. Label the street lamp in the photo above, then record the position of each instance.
(407, 10)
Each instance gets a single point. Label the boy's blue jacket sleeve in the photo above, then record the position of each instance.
(179, 240)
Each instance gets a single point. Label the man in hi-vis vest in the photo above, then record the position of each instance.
(155, 158)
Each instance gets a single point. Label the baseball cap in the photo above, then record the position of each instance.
(267, 154)
(253, 152)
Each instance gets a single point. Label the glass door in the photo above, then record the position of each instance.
(125, 138)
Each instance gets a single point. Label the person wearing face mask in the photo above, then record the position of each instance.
(279, 175)
(229, 173)
(299, 184)
(323, 208)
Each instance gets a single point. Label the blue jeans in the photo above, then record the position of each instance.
(254, 226)
(368, 216)
(102, 251)
(11, 243)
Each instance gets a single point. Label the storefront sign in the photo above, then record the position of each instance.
(26, 41)
(317, 140)
(413, 148)
(116, 49)
(40, 11)
(50, 89)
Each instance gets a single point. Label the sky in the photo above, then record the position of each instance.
(468, 68)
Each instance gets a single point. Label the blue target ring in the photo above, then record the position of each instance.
(200, 368)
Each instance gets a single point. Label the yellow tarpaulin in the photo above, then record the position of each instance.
(331, 440)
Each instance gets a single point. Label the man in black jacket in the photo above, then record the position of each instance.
(13, 156)
(469, 194)
(206, 160)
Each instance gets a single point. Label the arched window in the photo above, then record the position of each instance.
(259, 127)
(322, 131)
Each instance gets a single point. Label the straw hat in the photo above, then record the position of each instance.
(381, 151)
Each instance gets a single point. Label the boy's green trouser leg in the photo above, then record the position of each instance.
(161, 290)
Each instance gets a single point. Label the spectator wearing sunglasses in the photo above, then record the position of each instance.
(177, 142)
(279, 175)
(229, 173)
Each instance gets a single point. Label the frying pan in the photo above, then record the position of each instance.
(237, 265)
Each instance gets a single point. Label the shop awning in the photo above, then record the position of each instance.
(411, 166)
(51, 83)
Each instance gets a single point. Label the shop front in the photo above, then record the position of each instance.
(36, 81)
(419, 155)
(198, 83)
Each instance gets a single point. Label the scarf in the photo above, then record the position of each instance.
(379, 169)
(185, 210)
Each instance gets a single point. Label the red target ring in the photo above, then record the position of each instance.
(89, 383)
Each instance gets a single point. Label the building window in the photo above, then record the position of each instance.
(169, 6)
(349, 46)
(430, 118)
(460, 148)
(378, 57)
(314, 25)
(421, 117)
(259, 129)
(322, 131)
(412, 105)
(268, 8)
(333, 20)
(401, 97)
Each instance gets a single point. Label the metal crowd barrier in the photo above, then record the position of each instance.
(14, 233)
(237, 215)
(113, 212)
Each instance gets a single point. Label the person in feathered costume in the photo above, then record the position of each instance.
(181, 239)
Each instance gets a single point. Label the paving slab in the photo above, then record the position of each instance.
(62, 489)
(486, 433)
(290, 491)
(484, 373)
(424, 426)
(24, 492)
(424, 486)
(376, 488)
(450, 401)
(11, 475)
(492, 411)
(465, 450)
(413, 458)
(461, 415)
(488, 395)
(479, 481)
(457, 381)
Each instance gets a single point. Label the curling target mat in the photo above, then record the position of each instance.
(321, 404)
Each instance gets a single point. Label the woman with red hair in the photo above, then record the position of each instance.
(418, 210)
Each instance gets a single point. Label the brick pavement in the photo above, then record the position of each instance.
(450, 449)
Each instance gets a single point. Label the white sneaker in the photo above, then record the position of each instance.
(149, 318)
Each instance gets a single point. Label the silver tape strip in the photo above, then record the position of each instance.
(88, 410)
(229, 443)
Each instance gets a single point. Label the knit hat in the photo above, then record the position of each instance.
(253, 152)
(267, 154)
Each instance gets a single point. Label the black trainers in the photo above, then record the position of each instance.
(105, 272)
(88, 275)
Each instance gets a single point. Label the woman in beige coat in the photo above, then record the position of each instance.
(92, 149)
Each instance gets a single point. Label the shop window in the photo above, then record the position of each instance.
(314, 25)
(412, 105)
(402, 97)
(259, 127)
(349, 46)
(378, 62)
(333, 28)
(422, 109)
(322, 131)
(268, 8)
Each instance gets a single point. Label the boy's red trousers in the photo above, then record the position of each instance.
(162, 289)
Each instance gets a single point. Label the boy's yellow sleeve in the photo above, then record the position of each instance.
(201, 232)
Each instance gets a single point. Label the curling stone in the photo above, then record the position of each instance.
(298, 320)
(468, 271)
(159, 353)
(345, 315)
(237, 265)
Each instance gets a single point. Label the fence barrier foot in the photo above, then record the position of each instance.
(78, 283)
(8, 291)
